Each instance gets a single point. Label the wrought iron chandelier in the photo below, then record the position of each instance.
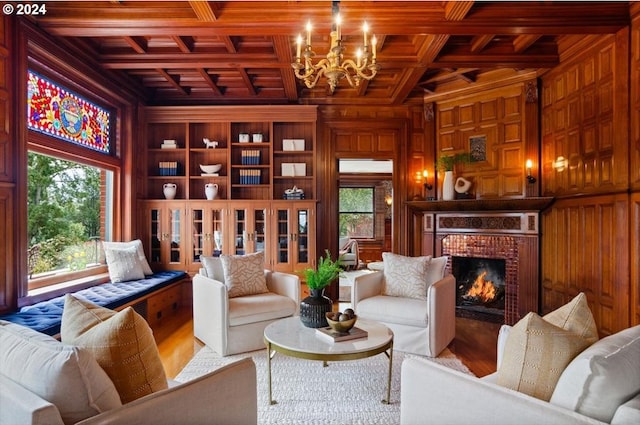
(334, 66)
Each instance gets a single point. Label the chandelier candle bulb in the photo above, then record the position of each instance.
(309, 34)
(365, 29)
(374, 41)
(338, 22)
(298, 47)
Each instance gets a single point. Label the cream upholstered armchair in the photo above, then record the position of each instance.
(235, 324)
(422, 315)
(349, 253)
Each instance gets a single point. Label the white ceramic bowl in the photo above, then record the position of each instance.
(210, 169)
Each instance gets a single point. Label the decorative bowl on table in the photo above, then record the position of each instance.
(341, 322)
(210, 169)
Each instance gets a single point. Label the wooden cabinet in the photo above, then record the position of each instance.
(263, 152)
(163, 234)
(293, 244)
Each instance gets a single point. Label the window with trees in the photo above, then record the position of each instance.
(357, 212)
(71, 170)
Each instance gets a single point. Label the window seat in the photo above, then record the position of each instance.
(46, 316)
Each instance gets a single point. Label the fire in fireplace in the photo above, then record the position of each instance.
(481, 287)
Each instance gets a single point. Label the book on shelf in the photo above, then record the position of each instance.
(331, 335)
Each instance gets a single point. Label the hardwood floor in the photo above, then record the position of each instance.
(474, 344)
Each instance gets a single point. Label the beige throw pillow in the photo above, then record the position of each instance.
(123, 264)
(244, 274)
(137, 244)
(537, 349)
(405, 276)
(121, 342)
(575, 317)
(536, 353)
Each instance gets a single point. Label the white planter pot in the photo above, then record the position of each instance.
(211, 191)
(448, 190)
(169, 190)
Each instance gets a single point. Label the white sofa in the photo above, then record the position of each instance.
(56, 384)
(603, 380)
(236, 325)
(423, 327)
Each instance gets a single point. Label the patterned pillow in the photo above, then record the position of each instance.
(122, 343)
(575, 317)
(405, 276)
(135, 243)
(435, 271)
(535, 355)
(244, 274)
(123, 264)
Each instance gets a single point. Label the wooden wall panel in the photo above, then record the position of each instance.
(581, 240)
(582, 101)
(634, 256)
(635, 98)
(8, 294)
(500, 116)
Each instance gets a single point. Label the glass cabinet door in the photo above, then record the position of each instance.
(175, 219)
(155, 233)
(207, 231)
(283, 236)
(259, 234)
(302, 238)
(239, 231)
(198, 234)
(216, 224)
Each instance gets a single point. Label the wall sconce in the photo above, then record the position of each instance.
(560, 163)
(423, 178)
(388, 200)
(529, 166)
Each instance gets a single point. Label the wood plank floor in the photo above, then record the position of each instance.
(474, 344)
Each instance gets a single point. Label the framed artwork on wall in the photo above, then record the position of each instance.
(478, 148)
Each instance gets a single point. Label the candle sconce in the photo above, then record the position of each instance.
(423, 178)
(530, 178)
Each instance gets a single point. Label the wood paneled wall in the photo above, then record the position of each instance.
(586, 238)
(634, 155)
(7, 170)
(507, 118)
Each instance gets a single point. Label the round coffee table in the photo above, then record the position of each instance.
(290, 337)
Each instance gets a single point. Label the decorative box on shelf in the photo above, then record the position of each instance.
(292, 144)
(293, 193)
(243, 137)
(169, 144)
(293, 169)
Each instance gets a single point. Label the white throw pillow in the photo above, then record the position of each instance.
(405, 276)
(135, 243)
(244, 274)
(64, 375)
(435, 271)
(602, 377)
(123, 264)
(213, 267)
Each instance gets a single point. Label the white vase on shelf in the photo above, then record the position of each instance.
(211, 191)
(169, 190)
(448, 189)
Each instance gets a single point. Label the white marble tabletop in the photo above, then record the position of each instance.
(291, 334)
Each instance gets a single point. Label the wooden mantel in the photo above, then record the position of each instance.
(521, 204)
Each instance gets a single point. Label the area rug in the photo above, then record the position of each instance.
(347, 392)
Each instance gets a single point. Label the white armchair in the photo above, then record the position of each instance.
(236, 325)
(349, 253)
(423, 327)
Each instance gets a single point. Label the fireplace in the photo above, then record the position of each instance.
(500, 234)
(480, 290)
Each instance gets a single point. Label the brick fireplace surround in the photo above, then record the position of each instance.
(506, 230)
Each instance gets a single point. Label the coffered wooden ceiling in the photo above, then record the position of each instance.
(198, 52)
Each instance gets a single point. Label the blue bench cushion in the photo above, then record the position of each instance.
(46, 316)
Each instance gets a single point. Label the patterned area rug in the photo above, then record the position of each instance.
(348, 392)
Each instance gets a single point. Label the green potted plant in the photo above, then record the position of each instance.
(314, 307)
(446, 164)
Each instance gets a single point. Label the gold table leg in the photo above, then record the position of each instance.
(270, 355)
(389, 354)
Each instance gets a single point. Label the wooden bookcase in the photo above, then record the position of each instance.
(175, 232)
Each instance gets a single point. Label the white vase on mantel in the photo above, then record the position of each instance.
(448, 190)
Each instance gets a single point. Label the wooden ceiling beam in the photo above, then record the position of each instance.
(247, 81)
(207, 79)
(138, 44)
(203, 11)
(173, 81)
(185, 44)
(283, 49)
(523, 42)
(456, 10)
(479, 42)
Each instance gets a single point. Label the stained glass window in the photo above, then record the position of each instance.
(55, 111)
